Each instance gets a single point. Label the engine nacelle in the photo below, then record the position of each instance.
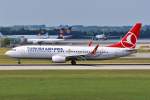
(59, 59)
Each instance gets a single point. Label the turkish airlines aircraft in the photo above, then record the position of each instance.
(61, 54)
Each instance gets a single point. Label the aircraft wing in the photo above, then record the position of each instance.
(80, 55)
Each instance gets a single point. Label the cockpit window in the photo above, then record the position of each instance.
(13, 49)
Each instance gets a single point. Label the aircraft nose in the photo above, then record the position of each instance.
(8, 53)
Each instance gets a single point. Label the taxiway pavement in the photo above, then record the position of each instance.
(77, 67)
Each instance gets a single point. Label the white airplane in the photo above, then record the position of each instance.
(39, 36)
(104, 37)
(35, 39)
(101, 36)
(47, 40)
(61, 54)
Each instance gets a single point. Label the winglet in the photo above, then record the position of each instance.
(95, 49)
(90, 43)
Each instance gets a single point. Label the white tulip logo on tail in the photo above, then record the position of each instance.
(129, 41)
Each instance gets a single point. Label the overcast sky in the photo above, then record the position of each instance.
(74, 12)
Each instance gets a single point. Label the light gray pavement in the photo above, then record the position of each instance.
(138, 55)
(76, 67)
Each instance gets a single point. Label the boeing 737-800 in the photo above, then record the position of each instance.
(61, 54)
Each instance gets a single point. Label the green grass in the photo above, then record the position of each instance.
(144, 50)
(75, 85)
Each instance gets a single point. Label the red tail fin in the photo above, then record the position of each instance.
(130, 39)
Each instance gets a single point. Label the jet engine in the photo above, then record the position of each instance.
(59, 59)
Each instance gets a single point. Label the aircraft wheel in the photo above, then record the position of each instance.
(73, 62)
(19, 62)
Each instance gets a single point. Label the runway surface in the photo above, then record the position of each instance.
(76, 67)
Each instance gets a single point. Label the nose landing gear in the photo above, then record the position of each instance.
(19, 61)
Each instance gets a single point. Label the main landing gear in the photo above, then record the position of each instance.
(73, 62)
(19, 61)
